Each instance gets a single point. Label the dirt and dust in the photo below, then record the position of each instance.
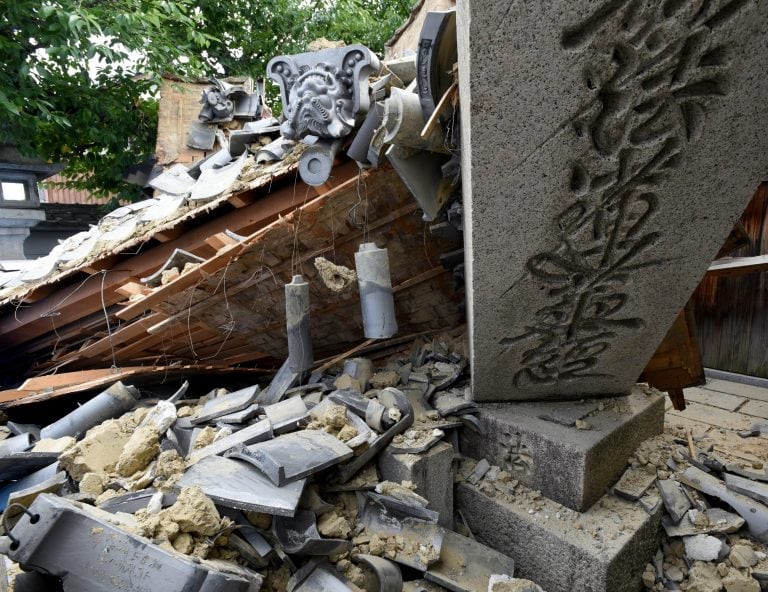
(335, 277)
(333, 420)
(100, 449)
(186, 526)
(142, 447)
(54, 445)
(206, 437)
(505, 583)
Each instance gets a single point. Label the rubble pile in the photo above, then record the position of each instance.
(711, 489)
(317, 482)
(273, 489)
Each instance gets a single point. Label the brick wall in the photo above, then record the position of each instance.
(179, 107)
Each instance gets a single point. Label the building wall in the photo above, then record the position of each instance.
(179, 107)
(732, 312)
(67, 196)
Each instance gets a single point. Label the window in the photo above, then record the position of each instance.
(18, 190)
(14, 191)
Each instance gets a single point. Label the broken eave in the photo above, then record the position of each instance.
(229, 310)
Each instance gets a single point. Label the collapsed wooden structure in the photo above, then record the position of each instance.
(228, 310)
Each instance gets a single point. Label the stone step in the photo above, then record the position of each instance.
(602, 550)
(570, 465)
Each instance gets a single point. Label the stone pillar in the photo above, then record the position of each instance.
(14, 230)
(608, 148)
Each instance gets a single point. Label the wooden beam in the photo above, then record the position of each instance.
(220, 240)
(133, 288)
(736, 266)
(240, 200)
(210, 266)
(126, 333)
(169, 234)
(100, 265)
(75, 382)
(335, 360)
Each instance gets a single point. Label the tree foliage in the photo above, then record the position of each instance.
(79, 77)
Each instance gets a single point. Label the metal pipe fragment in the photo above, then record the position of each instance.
(376, 300)
(297, 321)
(114, 401)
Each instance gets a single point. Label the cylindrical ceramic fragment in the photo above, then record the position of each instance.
(114, 401)
(376, 300)
(316, 162)
(297, 322)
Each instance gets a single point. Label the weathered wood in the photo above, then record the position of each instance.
(735, 266)
(16, 397)
(133, 288)
(676, 364)
(220, 240)
(30, 321)
(732, 310)
(347, 354)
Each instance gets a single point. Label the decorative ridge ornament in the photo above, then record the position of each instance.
(325, 94)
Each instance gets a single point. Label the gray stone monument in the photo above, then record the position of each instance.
(609, 146)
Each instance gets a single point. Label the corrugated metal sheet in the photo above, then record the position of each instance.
(67, 196)
(732, 312)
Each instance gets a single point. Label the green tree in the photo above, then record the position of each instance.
(79, 77)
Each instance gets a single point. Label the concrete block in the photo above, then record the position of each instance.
(602, 550)
(431, 472)
(607, 148)
(569, 465)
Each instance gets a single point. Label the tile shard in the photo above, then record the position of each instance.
(294, 456)
(143, 565)
(236, 484)
(754, 513)
(674, 498)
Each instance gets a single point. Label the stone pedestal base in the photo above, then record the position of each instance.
(567, 464)
(602, 550)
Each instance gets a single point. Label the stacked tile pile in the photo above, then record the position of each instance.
(283, 488)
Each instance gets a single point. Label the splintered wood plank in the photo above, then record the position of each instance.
(17, 397)
(714, 399)
(39, 383)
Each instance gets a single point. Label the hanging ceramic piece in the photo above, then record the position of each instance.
(297, 322)
(378, 305)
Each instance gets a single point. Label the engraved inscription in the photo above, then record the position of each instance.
(658, 67)
(517, 458)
